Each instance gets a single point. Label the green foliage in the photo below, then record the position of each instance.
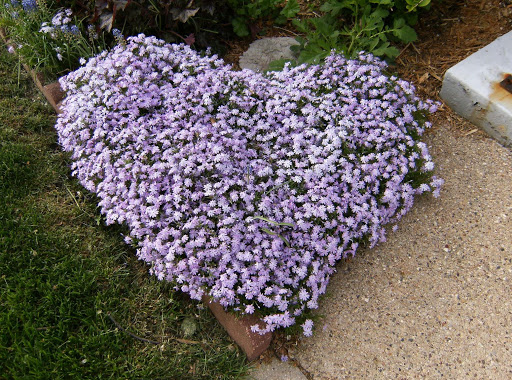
(247, 12)
(202, 23)
(52, 53)
(350, 26)
(413, 4)
(64, 279)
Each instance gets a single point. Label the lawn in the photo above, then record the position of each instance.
(74, 301)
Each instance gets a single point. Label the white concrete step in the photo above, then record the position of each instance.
(474, 89)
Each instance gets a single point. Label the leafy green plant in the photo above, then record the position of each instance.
(350, 26)
(247, 12)
(413, 4)
(51, 40)
(47, 43)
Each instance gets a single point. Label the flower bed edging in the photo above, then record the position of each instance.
(239, 329)
(52, 92)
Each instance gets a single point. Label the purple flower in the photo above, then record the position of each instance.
(246, 187)
(307, 327)
(62, 18)
(29, 5)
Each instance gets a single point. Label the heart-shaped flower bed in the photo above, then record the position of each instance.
(241, 186)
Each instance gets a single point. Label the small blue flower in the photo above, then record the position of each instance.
(15, 3)
(117, 33)
(91, 31)
(29, 5)
(74, 30)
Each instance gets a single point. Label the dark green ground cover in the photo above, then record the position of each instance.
(65, 279)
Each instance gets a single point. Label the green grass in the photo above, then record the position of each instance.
(68, 283)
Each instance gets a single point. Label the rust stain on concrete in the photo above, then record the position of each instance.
(501, 91)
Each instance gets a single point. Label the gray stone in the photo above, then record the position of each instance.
(262, 52)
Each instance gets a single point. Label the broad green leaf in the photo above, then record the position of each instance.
(386, 50)
(321, 45)
(335, 7)
(277, 65)
(334, 36)
(254, 10)
(398, 23)
(300, 40)
(281, 19)
(324, 25)
(406, 34)
(240, 27)
(291, 9)
(373, 43)
(301, 26)
(296, 49)
(379, 14)
(413, 4)
(308, 56)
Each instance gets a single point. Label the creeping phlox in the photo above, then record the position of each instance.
(245, 187)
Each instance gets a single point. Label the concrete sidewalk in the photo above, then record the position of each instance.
(435, 300)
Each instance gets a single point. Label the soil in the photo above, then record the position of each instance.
(448, 33)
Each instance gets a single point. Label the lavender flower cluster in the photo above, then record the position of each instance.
(61, 23)
(245, 187)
